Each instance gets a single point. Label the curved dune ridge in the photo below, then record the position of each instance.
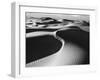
(67, 46)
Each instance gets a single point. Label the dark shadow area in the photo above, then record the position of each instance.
(41, 46)
(34, 30)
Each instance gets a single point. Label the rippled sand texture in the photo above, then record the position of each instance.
(68, 46)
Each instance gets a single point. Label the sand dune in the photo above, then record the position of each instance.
(66, 46)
